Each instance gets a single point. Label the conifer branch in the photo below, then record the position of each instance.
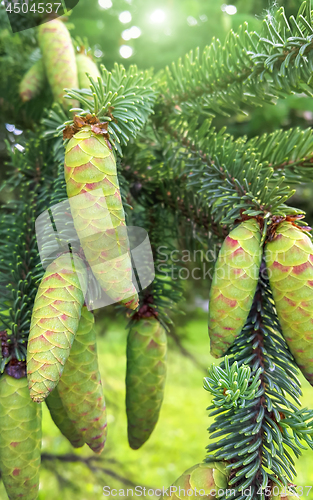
(249, 69)
(261, 458)
(179, 172)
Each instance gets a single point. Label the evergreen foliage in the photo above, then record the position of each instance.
(188, 184)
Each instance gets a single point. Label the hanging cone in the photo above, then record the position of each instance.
(20, 439)
(90, 171)
(54, 323)
(145, 378)
(289, 260)
(202, 480)
(33, 82)
(86, 65)
(235, 279)
(61, 420)
(80, 386)
(59, 59)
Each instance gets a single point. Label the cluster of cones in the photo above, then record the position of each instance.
(288, 256)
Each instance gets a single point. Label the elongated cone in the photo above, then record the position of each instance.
(90, 171)
(33, 81)
(289, 260)
(54, 323)
(59, 59)
(86, 65)
(203, 481)
(145, 378)
(61, 419)
(20, 439)
(80, 386)
(234, 284)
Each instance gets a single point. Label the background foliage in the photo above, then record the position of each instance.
(178, 442)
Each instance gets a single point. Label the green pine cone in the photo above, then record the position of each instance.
(234, 284)
(61, 419)
(86, 65)
(54, 323)
(203, 481)
(20, 439)
(59, 59)
(33, 82)
(289, 260)
(80, 386)
(90, 168)
(145, 378)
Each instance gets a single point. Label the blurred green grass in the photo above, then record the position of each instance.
(177, 443)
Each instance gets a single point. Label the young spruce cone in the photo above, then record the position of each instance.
(201, 481)
(90, 170)
(234, 284)
(20, 439)
(145, 378)
(80, 386)
(55, 319)
(289, 260)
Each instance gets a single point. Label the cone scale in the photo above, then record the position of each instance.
(80, 387)
(235, 279)
(145, 378)
(99, 219)
(289, 260)
(20, 439)
(55, 319)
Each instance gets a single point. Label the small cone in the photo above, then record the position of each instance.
(61, 420)
(289, 260)
(203, 481)
(99, 218)
(86, 65)
(33, 82)
(235, 279)
(145, 378)
(20, 439)
(55, 319)
(80, 386)
(59, 59)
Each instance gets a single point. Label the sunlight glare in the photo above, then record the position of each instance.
(158, 16)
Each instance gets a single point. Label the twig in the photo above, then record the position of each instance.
(91, 462)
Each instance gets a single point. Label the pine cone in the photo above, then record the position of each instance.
(80, 386)
(145, 378)
(20, 439)
(54, 323)
(199, 481)
(90, 168)
(33, 82)
(234, 284)
(86, 65)
(289, 260)
(61, 419)
(59, 59)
